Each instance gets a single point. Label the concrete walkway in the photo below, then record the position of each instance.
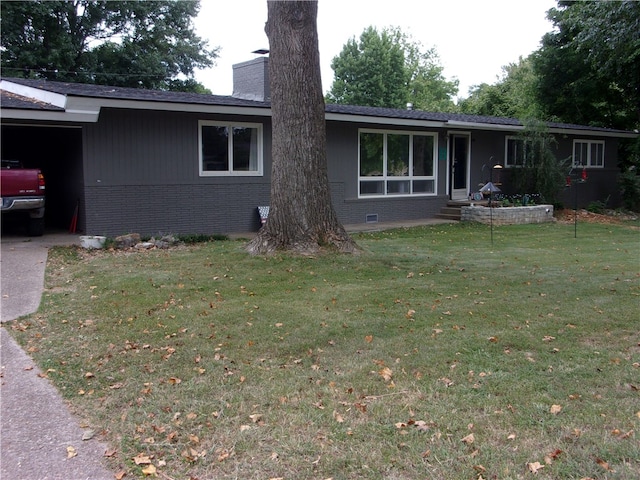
(36, 427)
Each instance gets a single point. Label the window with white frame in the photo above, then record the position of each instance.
(230, 148)
(588, 153)
(516, 150)
(396, 163)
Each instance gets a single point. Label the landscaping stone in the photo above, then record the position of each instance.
(508, 215)
(127, 241)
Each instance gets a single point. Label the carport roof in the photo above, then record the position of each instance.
(130, 97)
(13, 100)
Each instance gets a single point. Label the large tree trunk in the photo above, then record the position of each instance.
(301, 216)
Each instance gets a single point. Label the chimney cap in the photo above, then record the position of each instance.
(261, 51)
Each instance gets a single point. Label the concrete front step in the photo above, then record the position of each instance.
(453, 209)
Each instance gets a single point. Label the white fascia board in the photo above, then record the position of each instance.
(49, 115)
(181, 107)
(341, 117)
(557, 130)
(483, 126)
(51, 98)
(593, 133)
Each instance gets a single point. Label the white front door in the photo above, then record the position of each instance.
(459, 165)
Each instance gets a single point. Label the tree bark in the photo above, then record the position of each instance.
(301, 216)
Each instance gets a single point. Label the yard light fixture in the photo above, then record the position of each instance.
(573, 179)
(491, 189)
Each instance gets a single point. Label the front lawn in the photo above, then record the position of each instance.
(433, 354)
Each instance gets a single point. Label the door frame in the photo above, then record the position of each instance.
(459, 193)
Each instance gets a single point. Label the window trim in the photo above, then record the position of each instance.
(589, 143)
(231, 173)
(506, 151)
(385, 177)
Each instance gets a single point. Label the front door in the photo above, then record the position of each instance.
(459, 163)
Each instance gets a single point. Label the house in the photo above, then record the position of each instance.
(168, 162)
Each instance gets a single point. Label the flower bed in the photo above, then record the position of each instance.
(508, 215)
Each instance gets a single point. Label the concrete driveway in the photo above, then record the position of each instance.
(36, 427)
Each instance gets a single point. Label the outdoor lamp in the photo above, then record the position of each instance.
(495, 167)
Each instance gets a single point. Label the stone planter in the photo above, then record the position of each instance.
(508, 215)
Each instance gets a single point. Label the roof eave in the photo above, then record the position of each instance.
(345, 117)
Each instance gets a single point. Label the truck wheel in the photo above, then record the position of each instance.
(35, 227)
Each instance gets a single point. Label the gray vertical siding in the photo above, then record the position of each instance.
(141, 174)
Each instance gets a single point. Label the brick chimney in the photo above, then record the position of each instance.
(251, 80)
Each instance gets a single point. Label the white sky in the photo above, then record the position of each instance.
(474, 38)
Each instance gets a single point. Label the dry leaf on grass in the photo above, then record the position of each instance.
(555, 409)
(386, 373)
(469, 439)
(535, 466)
(604, 464)
(142, 459)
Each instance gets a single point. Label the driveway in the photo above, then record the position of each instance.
(36, 427)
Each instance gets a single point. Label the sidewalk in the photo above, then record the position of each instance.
(36, 427)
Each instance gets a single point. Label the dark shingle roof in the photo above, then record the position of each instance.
(12, 100)
(136, 94)
(139, 94)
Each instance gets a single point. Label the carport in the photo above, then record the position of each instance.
(57, 151)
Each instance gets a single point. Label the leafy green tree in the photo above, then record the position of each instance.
(513, 95)
(389, 69)
(589, 65)
(541, 171)
(146, 44)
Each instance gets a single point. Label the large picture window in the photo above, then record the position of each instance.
(588, 153)
(396, 163)
(230, 148)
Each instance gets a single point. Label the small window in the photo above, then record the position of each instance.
(516, 152)
(230, 148)
(588, 153)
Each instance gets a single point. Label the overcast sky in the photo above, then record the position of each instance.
(474, 38)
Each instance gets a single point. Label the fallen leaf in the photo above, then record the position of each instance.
(120, 475)
(386, 373)
(174, 380)
(71, 452)
(603, 464)
(110, 452)
(149, 470)
(534, 467)
(337, 417)
(256, 417)
(141, 459)
(368, 338)
(469, 439)
(555, 409)
(88, 435)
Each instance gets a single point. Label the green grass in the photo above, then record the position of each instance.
(221, 365)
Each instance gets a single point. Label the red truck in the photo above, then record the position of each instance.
(22, 191)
